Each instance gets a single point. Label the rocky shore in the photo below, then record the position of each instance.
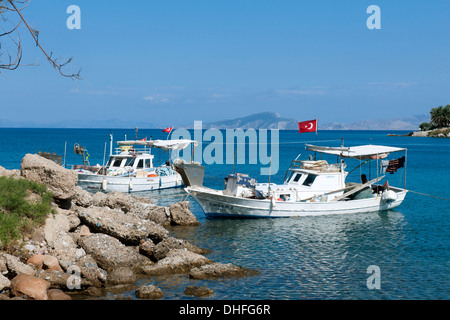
(435, 133)
(95, 243)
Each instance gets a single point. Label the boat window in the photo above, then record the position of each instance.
(309, 180)
(148, 163)
(297, 177)
(117, 162)
(130, 162)
(140, 164)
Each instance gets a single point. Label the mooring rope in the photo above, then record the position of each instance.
(428, 195)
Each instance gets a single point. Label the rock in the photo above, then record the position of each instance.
(149, 292)
(121, 275)
(84, 231)
(177, 261)
(4, 296)
(198, 291)
(15, 266)
(3, 267)
(90, 270)
(170, 243)
(159, 215)
(56, 294)
(113, 200)
(62, 280)
(72, 220)
(4, 282)
(82, 197)
(60, 181)
(181, 215)
(146, 248)
(45, 262)
(57, 237)
(110, 253)
(216, 270)
(29, 286)
(126, 228)
(9, 173)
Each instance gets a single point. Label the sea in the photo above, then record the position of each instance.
(400, 254)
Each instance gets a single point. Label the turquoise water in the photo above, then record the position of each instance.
(301, 258)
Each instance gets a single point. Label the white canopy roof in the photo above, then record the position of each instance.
(358, 152)
(162, 144)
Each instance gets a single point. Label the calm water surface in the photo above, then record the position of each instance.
(300, 258)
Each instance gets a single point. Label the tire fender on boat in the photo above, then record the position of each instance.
(104, 184)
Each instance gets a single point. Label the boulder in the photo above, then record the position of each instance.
(177, 261)
(15, 266)
(160, 215)
(216, 270)
(57, 294)
(4, 282)
(30, 287)
(60, 181)
(146, 247)
(72, 220)
(198, 291)
(128, 229)
(149, 292)
(110, 253)
(45, 262)
(82, 197)
(113, 200)
(121, 275)
(181, 215)
(90, 270)
(170, 243)
(57, 237)
(9, 173)
(63, 280)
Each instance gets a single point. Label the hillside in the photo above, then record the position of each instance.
(272, 120)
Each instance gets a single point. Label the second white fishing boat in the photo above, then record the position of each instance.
(130, 168)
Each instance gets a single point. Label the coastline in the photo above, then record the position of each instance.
(435, 133)
(93, 244)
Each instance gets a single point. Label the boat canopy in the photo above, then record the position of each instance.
(162, 144)
(358, 152)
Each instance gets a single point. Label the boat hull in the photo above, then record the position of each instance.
(219, 205)
(128, 184)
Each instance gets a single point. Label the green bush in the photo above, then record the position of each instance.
(425, 126)
(24, 204)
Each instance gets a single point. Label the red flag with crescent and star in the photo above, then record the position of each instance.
(307, 126)
(168, 129)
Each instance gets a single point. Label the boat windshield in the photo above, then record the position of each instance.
(130, 162)
(114, 162)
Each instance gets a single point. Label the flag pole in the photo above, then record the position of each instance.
(317, 126)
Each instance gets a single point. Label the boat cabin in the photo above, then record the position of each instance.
(137, 162)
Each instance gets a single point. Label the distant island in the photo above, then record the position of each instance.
(262, 120)
(272, 120)
(439, 126)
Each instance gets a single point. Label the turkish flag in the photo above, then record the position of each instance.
(168, 129)
(307, 126)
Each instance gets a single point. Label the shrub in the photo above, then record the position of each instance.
(19, 214)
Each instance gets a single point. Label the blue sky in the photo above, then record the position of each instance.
(173, 62)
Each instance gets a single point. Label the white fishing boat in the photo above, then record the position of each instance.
(311, 188)
(130, 168)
